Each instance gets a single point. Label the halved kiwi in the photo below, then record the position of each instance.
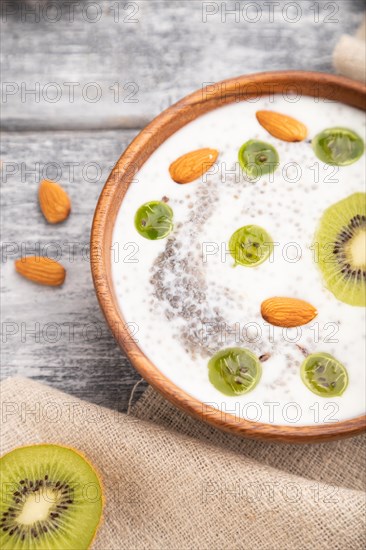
(51, 499)
(341, 241)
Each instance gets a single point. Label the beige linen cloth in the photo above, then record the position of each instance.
(173, 483)
(349, 57)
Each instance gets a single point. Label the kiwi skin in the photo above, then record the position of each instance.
(101, 498)
(340, 224)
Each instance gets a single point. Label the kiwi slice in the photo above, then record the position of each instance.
(258, 158)
(338, 146)
(51, 499)
(324, 375)
(341, 242)
(154, 220)
(250, 245)
(234, 371)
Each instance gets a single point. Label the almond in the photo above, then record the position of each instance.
(287, 312)
(54, 201)
(41, 270)
(192, 165)
(282, 126)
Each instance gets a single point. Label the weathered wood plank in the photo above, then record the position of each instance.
(146, 54)
(58, 335)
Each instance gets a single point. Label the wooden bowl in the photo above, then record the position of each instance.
(318, 85)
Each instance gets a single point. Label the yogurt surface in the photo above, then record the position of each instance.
(184, 300)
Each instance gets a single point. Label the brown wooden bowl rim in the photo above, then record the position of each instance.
(155, 133)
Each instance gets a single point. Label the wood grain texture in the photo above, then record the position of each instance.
(153, 52)
(58, 335)
(198, 103)
(167, 54)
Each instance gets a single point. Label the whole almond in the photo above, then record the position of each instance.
(41, 270)
(54, 201)
(287, 312)
(192, 165)
(282, 126)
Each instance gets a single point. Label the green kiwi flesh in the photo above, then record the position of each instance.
(341, 243)
(51, 499)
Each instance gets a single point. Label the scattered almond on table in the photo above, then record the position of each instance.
(54, 201)
(56, 206)
(41, 270)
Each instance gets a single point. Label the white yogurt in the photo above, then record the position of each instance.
(174, 310)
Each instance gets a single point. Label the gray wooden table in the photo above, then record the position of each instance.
(78, 83)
